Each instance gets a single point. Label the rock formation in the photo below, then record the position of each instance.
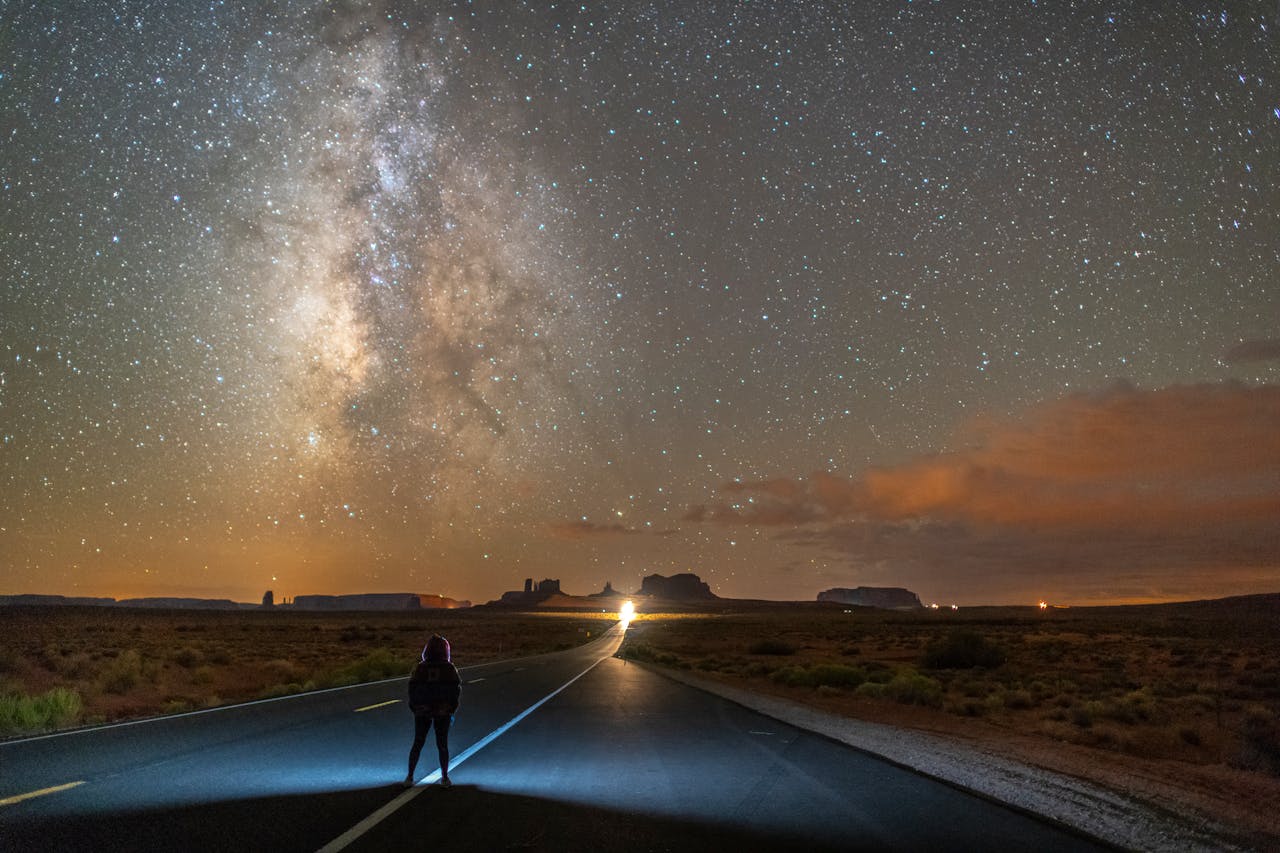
(884, 597)
(375, 601)
(682, 587)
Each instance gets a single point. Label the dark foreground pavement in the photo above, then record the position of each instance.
(628, 760)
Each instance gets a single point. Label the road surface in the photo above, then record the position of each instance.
(572, 751)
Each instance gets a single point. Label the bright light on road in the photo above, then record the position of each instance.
(627, 613)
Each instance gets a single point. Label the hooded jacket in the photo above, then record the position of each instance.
(435, 687)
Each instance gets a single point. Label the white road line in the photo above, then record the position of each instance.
(346, 838)
(475, 680)
(30, 795)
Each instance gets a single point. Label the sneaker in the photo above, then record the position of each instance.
(408, 781)
(445, 783)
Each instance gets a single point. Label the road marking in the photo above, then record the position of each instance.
(475, 680)
(379, 705)
(346, 838)
(8, 801)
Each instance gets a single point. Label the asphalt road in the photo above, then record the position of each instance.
(619, 759)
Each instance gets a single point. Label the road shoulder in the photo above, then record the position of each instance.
(1116, 817)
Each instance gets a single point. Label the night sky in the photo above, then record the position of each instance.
(980, 299)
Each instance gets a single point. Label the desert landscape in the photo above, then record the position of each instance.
(1175, 702)
(67, 666)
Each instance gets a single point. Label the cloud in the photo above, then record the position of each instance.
(1176, 479)
(1249, 351)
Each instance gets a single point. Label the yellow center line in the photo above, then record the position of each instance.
(8, 801)
(379, 705)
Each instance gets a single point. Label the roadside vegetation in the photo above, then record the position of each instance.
(69, 666)
(1199, 686)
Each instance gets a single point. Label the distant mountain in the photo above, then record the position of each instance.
(682, 587)
(376, 601)
(52, 600)
(368, 601)
(183, 603)
(884, 597)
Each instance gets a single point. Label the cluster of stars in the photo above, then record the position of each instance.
(334, 293)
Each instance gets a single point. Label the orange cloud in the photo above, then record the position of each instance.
(1185, 478)
(1124, 457)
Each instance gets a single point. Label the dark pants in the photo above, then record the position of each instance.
(421, 723)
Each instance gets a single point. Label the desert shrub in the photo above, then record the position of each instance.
(1084, 714)
(967, 708)
(643, 652)
(908, 687)
(1019, 700)
(357, 634)
(17, 714)
(281, 670)
(913, 688)
(21, 713)
(1190, 736)
(376, 665)
(1049, 651)
(59, 707)
(1135, 706)
(202, 675)
(186, 657)
(217, 656)
(122, 673)
(277, 690)
(792, 676)
(771, 646)
(837, 675)
(175, 706)
(974, 688)
(821, 675)
(962, 649)
(879, 672)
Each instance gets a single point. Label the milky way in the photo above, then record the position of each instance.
(435, 297)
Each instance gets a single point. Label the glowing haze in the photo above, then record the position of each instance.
(434, 297)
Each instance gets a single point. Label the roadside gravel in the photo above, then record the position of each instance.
(1123, 819)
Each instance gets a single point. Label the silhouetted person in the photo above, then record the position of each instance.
(434, 690)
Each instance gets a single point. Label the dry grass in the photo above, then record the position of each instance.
(121, 663)
(1192, 685)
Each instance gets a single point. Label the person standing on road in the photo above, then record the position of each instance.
(434, 690)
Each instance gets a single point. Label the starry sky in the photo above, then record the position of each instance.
(977, 298)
